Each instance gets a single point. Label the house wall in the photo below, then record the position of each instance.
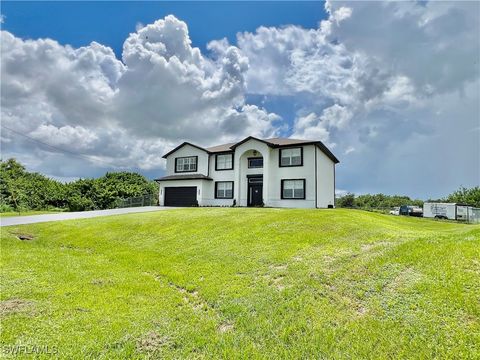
(188, 150)
(313, 159)
(325, 180)
(242, 153)
(307, 172)
(217, 175)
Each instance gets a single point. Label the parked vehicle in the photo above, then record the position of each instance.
(452, 211)
(409, 210)
(395, 211)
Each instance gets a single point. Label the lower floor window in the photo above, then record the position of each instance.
(224, 190)
(293, 189)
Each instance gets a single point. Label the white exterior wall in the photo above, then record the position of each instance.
(242, 153)
(220, 175)
(307, 172)
(319, 190)
(185, 151)
(325, 180)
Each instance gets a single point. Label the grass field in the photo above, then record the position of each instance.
(243, 283)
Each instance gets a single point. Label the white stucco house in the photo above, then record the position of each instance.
(276, 172)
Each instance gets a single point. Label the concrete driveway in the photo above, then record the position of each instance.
(21, 220)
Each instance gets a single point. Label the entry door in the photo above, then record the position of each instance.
(255, 191)
(256, 194)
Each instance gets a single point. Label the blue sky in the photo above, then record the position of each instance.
(385, 85)
(109, 23)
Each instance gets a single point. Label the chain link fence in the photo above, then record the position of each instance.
(472, 215)
(145, 200)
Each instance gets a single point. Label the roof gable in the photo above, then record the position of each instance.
(250, 138)
(182, 145)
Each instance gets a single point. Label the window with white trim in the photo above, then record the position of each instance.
(291, 157)
(293, 189)
(224, 190)
(224, 162)
(186, 164)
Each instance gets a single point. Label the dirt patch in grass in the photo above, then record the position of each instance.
(405, 279)
(225, 327)
(23, 236)
(153, 342)
(101, 282)
(280, 267)
(375, 245)
(13, 306)
(76, 248)
(277, 282)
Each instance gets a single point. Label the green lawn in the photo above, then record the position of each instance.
(243, 283)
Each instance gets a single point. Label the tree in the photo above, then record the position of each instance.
(346, 201)
(23, 190)
(465, 196)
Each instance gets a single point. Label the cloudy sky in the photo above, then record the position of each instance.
(392, 88)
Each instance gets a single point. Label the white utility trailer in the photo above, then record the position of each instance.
(450, 211)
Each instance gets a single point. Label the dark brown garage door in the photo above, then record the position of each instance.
(181, 196)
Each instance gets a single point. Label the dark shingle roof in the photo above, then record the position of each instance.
(273, 142)
(286, 141)
(220, 148)
(185, 177)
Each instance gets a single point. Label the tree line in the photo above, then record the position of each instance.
(467, 196)
(21, 190)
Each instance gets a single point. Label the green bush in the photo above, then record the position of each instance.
(22, 190)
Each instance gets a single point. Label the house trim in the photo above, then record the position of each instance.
(182, 145)
(290, 147)
(225, 153)
(216, 187)
(251, 138)
(255, 158)
(186, 157)
(304, 189)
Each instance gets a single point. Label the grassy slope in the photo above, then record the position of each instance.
(245, 283)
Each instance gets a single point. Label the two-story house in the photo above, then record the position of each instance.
(276, 172)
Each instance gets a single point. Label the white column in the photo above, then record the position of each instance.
(237, 182)
(266, 176)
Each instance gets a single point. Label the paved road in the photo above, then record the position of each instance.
(20, 220)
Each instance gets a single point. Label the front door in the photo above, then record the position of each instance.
(255, 191)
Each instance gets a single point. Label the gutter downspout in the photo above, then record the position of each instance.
(208, 166)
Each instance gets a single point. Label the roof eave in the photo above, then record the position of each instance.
(182, 145)
(250, 138)
(327, 152)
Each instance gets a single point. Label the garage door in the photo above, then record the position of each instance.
(181, 196)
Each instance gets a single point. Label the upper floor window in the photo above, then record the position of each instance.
(291, 157)
(224, 162)
(256, 162)
(293, 189)
(186, 164)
